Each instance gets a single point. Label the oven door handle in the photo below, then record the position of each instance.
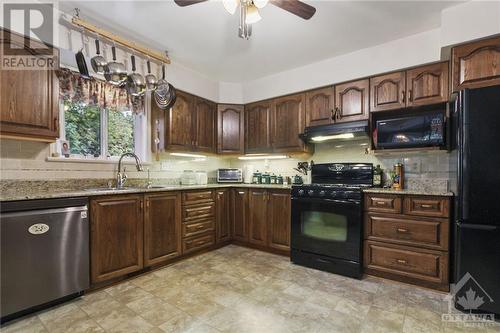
(316, 200)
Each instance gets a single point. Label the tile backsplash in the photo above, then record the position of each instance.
(28, 161)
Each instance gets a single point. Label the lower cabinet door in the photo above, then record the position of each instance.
(279, 215)
(162, 227)
(257, 216)
(240, 214)
(223, 216)
(116, 237)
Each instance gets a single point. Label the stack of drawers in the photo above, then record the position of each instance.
(198, 220)
(407, 238)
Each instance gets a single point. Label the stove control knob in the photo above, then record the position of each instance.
(301, 192)
(322, 193)
(310, 192)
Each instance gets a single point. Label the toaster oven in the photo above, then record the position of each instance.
(229, 176)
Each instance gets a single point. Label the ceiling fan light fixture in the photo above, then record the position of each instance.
(253, 15)
(230, 5)
(260, 3)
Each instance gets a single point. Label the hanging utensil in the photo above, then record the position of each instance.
(136, 85)
(98, 62)
(80, 61)
(151, 80)
(162, 85)
(115, 72)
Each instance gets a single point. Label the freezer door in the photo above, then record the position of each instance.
(478, 253)
(45, 256)
(479, 156)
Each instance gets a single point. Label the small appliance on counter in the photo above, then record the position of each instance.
(229, 175)
(248, 174)
(188, 177)
(201, 177)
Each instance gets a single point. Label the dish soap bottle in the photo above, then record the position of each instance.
(377, 176)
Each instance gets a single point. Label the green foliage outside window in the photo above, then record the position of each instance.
(83, 130)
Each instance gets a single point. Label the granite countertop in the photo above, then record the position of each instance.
(408, 191)
(14, 193)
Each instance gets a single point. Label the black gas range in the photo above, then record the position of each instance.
(327, 218)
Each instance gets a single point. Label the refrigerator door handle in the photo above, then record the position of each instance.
(477, 226)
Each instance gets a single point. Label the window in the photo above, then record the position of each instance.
(92, 131)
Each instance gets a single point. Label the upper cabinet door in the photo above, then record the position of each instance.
(476, 64)
(288, 121)
(351, 101)
(319, 107)
(180, 123)
(205, 125)
(427, 85)
(29, 104)
(387, 92)
(257, 127)
(230, 129)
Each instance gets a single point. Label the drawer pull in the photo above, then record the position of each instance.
(401, 261)
(200, 227)
(402, 230)
(426, 206)
(200, 243)
(381, 203)
(241, 193)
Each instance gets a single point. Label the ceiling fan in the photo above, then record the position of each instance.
(249, 10)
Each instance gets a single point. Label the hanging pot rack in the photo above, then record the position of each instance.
(161, 57)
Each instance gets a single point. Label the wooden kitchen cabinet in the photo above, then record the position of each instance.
(476, 64)
(199, 218)
(258, 127)
(320, 106)
(388, 91)
(240, 214)
(116, 236)
(279, 215)
(180, 123)
(162, 227)
(287, 122)
(257, 216)
(223, 216)
(230, 129)
(29, 99)
(351, 101)
(427, 84)
(407, 238)
(204, 128)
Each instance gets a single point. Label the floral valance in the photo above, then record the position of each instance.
(74, 88)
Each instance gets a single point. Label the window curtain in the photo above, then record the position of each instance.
(74, 88)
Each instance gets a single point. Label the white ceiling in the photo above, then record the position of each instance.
(204, 38)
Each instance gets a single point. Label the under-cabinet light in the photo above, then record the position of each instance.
(322, 138)
(262, 157)
(188, 155)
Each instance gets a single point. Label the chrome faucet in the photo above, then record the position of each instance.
(121, 177)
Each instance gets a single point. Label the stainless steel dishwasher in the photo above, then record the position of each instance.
(44, 253)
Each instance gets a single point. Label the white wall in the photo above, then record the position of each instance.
(230, 93)
(409, 51)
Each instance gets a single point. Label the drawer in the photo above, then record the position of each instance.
(383, 203)
(425, 232)
(198, 242)
(197, 212)
(189, 198)
(418, 264)
(196, 228)
(427, 206)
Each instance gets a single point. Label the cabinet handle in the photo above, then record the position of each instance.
(381, 203)
(241, 192)
(403, 95)
(141, 205)
(402, 230)
(426, 206)
(200, 227)
(401, 261)
(410, 95)
(147, 203)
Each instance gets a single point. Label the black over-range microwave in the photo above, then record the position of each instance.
(422, 130)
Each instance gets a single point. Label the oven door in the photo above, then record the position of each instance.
(327, 227)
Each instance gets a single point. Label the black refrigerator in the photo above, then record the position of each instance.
(476, 119)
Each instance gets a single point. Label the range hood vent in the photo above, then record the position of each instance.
(345, 131)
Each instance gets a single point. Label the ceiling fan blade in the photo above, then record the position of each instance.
(184, 3)
(296, 7)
